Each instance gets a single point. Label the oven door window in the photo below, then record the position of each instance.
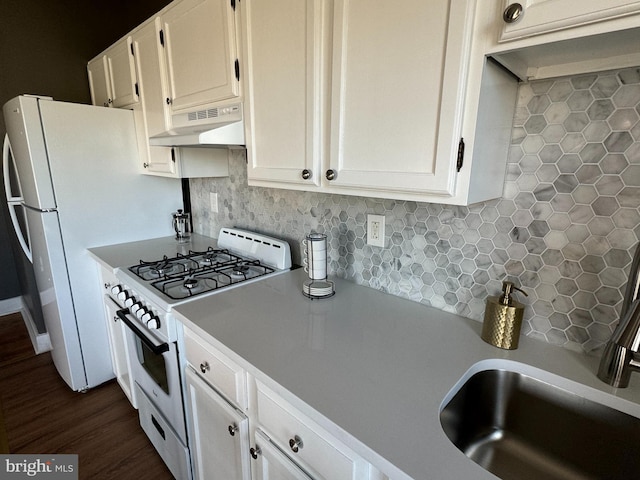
(154, 364)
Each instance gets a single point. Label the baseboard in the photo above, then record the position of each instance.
(10, 305)
(41, 341)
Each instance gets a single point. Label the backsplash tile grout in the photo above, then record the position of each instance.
(565, 228)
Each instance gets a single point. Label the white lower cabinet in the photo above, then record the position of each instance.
(219, 433)
(240, 429)
(305, 442)
(271, 464)
(117, 340)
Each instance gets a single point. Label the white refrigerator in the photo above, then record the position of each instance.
(72, 182)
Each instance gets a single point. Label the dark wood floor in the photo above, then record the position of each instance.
(42, 415)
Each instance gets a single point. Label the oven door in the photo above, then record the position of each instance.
(155, 368)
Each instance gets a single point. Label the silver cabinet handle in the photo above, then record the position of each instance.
(233, 429)
(331, 174)
(205, 367)
(255, 452)
(512, 13)
(296, 443)
(306, 174)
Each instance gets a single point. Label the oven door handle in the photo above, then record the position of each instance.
(157, 349)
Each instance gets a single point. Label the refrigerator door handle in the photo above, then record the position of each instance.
(37, 209)
(12, 201)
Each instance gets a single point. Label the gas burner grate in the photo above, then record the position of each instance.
(182, 264)
(201, 272)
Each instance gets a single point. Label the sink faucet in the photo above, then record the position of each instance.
(618, 359)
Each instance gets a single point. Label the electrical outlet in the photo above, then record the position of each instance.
(213, 201)
(375, 230)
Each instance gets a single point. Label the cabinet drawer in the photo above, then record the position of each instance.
(216, 368)
(317, 451)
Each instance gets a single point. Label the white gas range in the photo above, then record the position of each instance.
(145, 295)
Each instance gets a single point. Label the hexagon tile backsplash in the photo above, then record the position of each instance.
(565, 228)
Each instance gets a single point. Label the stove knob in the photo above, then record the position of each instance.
(153, 323)
(117, 289)
(123, 295)
(135, 307)
(140, 312)
(129, 302)
(146, 316)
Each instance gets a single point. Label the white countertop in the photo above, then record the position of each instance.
(124, 255)
(376, 368)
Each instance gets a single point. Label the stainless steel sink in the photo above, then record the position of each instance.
(518, 427)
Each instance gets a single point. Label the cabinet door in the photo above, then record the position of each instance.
(284, 66)
(201, 52)
(122, 74)
(154, 112)
(395, 120)
(304, 441)
(271, 464)
(98, 81)
(543, 16)
(219, 434)
(119, 353)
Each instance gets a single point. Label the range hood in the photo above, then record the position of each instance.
(221, 126)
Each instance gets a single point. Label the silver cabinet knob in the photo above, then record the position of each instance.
(233, 429)
(255, 451)
(512, 13)
(306, 174)
(296, 444)
(331, 174)
(204, 367)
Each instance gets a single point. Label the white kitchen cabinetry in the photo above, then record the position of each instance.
(285, 89)
(218, 426)
(271, 464)
(403, 98)
(219, 433)
(152, 115)
(525, 18)
(99, 81)
(199, 40)
(306, 443)
(552, 38)
(182, 60)
(117, 339)
(237, 425)
(112, 76)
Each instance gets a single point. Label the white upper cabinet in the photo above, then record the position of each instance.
(551, 38)
(199, 39)
(152, 116)
(112, 76)
(396, 117)
(525, 18)
(389, 131)
(99, 81)
(284, 65)
(181, 60)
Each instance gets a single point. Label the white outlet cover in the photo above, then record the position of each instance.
(213, 201)
(375, 230)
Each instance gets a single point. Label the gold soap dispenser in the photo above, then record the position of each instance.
(503, 319)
